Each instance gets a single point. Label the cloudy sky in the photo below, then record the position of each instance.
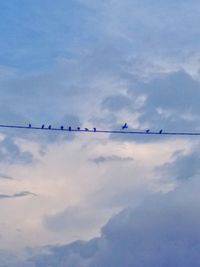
(93, 200)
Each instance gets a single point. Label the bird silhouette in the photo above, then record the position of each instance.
(29, 125)
(95, 129)
(86, 129)
(78, 128)
(124, 126)
(70, 128)
(42, 126)
(160, 131)
(49, 127)
(61, 127)
(147, 131)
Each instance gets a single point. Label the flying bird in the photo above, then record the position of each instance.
(124, 126)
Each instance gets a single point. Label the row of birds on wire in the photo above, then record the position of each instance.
(123, 129)
(49, 127)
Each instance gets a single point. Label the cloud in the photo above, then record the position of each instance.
(182, 167)
(116, 102)
(9, 259)
(21, 107)
(160, 108)
(113, 158)
(130, 66)
(68, 84)
(11, 153)
(5, 176)
(18, 195)
(73, 218)
(162, 231)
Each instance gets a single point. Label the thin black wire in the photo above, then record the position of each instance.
(101, 131)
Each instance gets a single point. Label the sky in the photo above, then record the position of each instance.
(93, 200)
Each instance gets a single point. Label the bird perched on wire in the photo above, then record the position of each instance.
(160, 131)
(125, 126)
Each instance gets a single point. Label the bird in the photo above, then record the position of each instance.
(78, 128)
(95, 129)
(160, 131)
(49, 127)
(147, 131)
(29, 125)
(42, 126)
(70, 128)
(124, 126)
(86, 129)
(61, 127)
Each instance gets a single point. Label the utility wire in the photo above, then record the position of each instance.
(94, 130)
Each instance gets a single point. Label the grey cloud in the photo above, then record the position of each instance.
(183, 167)
(33, 106)
(41, 109)
(50, 137)
(113, 158)
(75, 254)
(161, 231)
(18, 195)
(24, 194)
(71, 218)
(176, 95)
(171, 104)
(116, 102)
(11, 153)
(115, 195)
(4, 176)
(10, 259)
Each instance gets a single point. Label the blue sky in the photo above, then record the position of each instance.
(99, 200)
(36, 33)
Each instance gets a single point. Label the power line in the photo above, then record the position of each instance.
(95, 130)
